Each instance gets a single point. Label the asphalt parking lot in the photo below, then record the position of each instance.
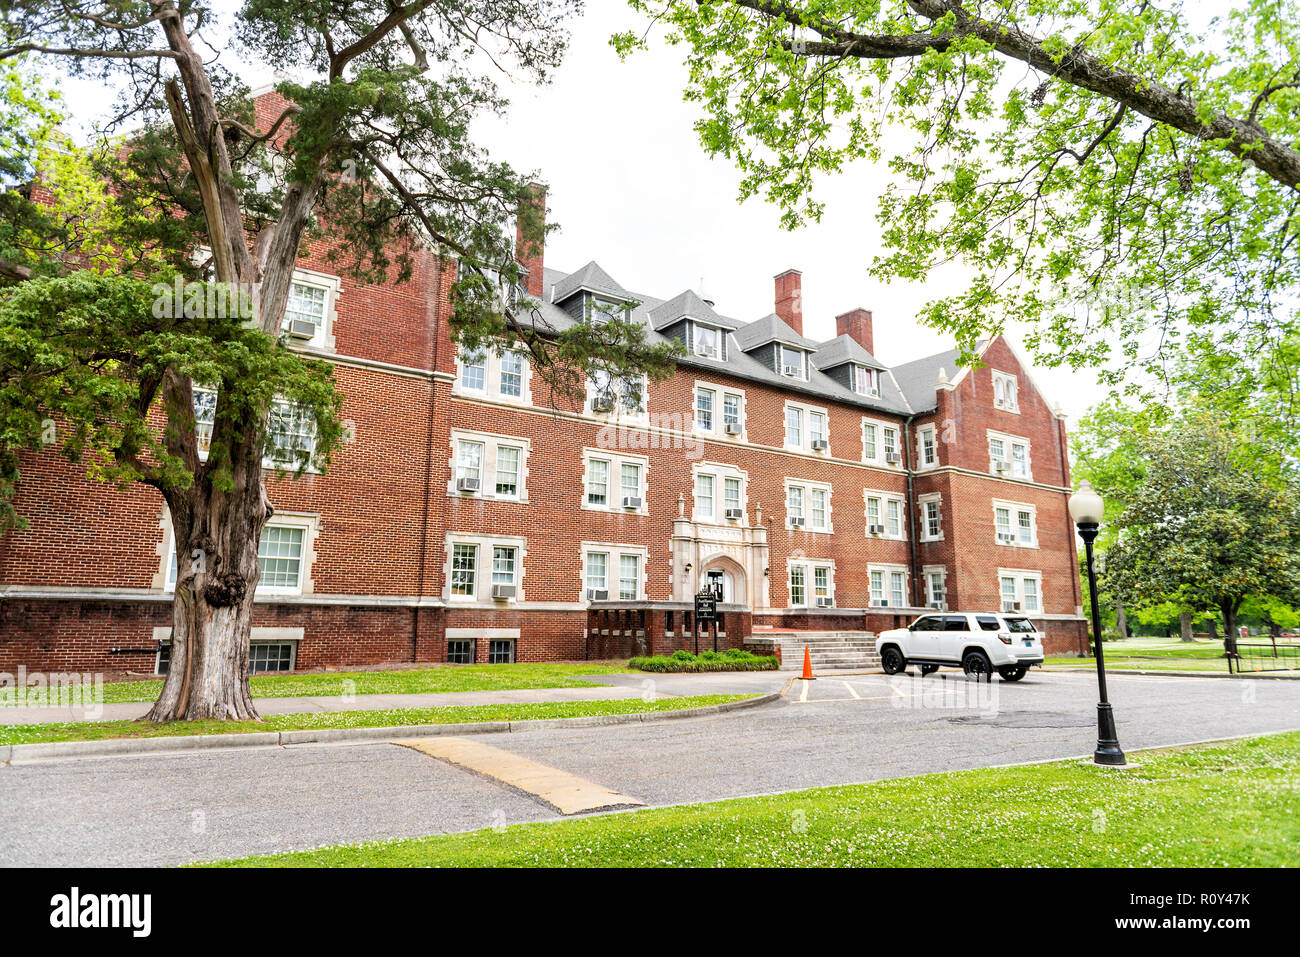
(167, 809)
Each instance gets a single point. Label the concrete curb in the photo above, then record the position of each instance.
(68, 750)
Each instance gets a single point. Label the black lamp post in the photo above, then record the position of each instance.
(1086, 509)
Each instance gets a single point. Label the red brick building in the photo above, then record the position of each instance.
(470, 518)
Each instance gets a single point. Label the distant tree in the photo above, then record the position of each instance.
(371, 151)
(1206, 526)
(1120, 175)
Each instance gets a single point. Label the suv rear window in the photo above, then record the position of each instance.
(955, 623)
(988, 622)
(1020, 624)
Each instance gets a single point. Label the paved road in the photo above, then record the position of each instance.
(166, 809)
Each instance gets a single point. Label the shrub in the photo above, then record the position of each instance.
(736, 659)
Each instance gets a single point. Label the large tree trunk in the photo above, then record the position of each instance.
(217, 534)
(1121, 622)
(1185, 626)
(1229, 610)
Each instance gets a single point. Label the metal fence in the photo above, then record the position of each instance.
(1257, 656)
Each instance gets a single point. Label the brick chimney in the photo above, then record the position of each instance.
(856, 324)
(530, 236)
(789, 299)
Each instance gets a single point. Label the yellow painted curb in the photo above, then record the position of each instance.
(567, 793)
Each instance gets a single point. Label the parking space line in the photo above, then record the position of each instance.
(803, 692)
(851, 691)
(567, 793)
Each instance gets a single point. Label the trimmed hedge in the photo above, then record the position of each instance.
(733, 660)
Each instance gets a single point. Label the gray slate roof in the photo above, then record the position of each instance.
(590, 277)
(844, 349)
(904, 389)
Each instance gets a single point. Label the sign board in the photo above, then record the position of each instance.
(706, 606)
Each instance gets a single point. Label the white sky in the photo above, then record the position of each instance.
(633, 189)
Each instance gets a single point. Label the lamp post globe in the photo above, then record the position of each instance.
(1087, 509)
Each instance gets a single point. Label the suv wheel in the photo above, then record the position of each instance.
(1013, 672)
(928, 670)
(976, 664)
(892, 660)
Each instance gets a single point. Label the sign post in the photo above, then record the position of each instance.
(706, 612)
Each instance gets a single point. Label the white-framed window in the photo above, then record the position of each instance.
(707, 340)
(808, 505)
(311, 308)
(885, 514)
(205, 416)
(290, 436)
(476, 563)
(807, 428)
(489, 466)
(888, 585)
(880, 443)
(936, 584)
(1005, 392)
(616, 572)
(1021, 590)
(791, 362)
(614, 483)
(494, 373)
(866, 381)
(1015, 524)
(931, 517)
(1009, 456)
(285, 554)
(811, 582)
(719, 492)
(927, 446)
(718, 411)
(619, 397)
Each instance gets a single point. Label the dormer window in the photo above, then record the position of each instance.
(707, 341)
(599, 311)
(866, 381)
(790, 362)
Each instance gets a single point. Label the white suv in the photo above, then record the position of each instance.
(980, 642)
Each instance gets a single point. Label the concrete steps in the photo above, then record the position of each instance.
(829, 650)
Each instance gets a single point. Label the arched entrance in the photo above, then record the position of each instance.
(730, 575)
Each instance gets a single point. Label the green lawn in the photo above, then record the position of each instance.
(435, 679)
(1230, 804)
(1156, 654)
(461, 714)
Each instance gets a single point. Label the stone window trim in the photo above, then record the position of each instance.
(883, 518)
(309, 521)
(922, 432)
(613, 481)
(887, 570)
(162, 634)
(1008, 443)
(1006, 392)
(491, 442)
(720, 472)
(927, 573)
(619, 413)
(1021, 575)
(806, 411)
(720, 394)
(615, 551)
(1015, 509)
(492, 356)
(879, 458)
(809, 566)
(922, 503)
(483, 568)
(808, 486)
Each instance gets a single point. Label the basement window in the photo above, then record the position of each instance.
(501, 651)
(460, 652)
(263, 656)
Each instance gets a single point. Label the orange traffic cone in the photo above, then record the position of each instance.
(807, 665)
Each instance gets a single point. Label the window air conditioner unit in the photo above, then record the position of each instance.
(703, 350)
(893, 458)
(939, 605)
(631, 501)
(1006, 537)
(300, 329)
(796, 522)
(597, 594)
(820, 445)
(1011, 606)
(791, 371)
(882, 603)
(875, 529)
(1001, 468)
(500, 592)
(735, 513)
(733, 428)
(824, 602)
(602, 403)
(1000, 403)
(467, 485)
